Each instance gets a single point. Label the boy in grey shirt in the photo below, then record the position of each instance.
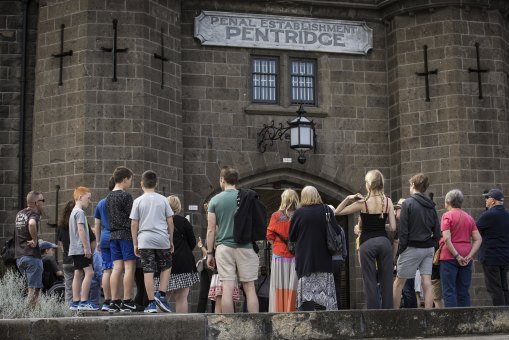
(152, 232)
(81, 252)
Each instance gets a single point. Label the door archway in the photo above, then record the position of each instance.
(270, 186)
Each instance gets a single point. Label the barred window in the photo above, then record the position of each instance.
(303, 81)
(264, 79)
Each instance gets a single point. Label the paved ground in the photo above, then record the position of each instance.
(482, 337)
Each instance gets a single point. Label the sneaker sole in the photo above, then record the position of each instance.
(113, 310)
(151, 311)
(162, 306)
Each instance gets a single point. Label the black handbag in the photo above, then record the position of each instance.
(289, 244)
(334, 244)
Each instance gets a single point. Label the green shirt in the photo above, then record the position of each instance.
(224, 205)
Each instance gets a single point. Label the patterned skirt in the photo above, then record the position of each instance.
(319, 288)
(178, 281)
(216, 289)
(283, 285)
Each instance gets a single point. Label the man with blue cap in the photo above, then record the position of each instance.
(493, 226)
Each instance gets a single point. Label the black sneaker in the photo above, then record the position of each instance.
(128, 306)
(114, 307)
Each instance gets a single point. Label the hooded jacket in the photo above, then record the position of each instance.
(419, 225)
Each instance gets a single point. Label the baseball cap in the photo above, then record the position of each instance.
(47, 245)
(400, 202)
(494, 193)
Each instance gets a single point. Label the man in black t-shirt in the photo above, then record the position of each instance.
(27, 252)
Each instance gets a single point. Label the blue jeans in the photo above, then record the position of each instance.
(455, 281)
(32, 269)
(95, 285)
(409, 298)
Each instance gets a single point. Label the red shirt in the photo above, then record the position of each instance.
(461, 233)
(279, 223)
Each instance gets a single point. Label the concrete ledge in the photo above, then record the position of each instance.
(316, 325)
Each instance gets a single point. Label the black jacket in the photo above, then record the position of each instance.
(419, 225)
(184, 242)
(308, 231)
(493, 226)
(250, 220)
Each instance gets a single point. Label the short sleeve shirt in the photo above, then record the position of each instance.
(102, 214)
(151, 210)
(224, 206)
(461, 232)
(75, 246)
(118, 205)
(22, 234)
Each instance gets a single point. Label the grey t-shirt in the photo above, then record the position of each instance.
(75, 245)
(151, 210)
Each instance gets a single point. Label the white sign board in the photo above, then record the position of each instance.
(282, 32)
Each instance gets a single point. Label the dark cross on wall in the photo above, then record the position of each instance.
(426, 72)
(478, 70)
(62, 54)
(162, 57)
(114, 50)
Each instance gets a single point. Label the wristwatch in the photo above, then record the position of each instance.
(210, 253)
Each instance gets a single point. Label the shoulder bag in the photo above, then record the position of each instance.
(334, 244)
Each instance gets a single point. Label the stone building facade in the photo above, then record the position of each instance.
(370, 110)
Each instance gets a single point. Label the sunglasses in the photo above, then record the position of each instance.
(43, 200)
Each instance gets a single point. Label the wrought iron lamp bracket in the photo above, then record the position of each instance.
(270, 133)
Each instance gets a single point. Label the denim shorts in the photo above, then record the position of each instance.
(107, 263)
(415, 258)
(32, 269)
(122, 250)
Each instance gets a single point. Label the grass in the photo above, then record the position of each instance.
(14, 305)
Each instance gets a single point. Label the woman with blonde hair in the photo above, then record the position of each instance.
(283, 280)
(313, 261)
(375, 247)
(183, 271)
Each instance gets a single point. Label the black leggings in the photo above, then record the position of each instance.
(141, 297)
(203, 300)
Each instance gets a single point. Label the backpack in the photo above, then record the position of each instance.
(8, 252)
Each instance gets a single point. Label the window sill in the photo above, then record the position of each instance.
(278, 110)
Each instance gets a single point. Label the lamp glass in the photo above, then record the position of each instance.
(301, 137)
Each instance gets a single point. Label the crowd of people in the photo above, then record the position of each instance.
(146, 241)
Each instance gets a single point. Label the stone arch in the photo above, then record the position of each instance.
(331, 187)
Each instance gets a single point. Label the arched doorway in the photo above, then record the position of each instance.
(270, 186)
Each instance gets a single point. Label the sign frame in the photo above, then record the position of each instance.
(251, 27)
